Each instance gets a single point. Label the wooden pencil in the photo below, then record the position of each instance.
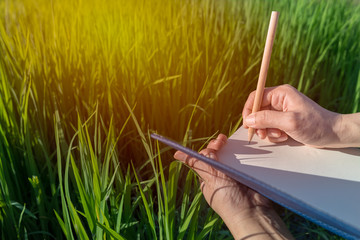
(264, 67)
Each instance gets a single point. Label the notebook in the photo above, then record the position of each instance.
(322, 185)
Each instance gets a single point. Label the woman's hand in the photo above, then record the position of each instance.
(245, 212)
(287, 112)
(224, 195)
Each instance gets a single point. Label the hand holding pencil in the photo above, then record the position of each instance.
(284, 112)
(290, 113)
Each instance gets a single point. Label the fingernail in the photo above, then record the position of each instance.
(274, 134)
(212, 156)
(179, 156)
(262, 135)
(250, 120)
(283, 138)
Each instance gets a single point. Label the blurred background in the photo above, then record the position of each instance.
(83, 83)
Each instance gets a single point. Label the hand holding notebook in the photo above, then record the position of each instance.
(244, 211)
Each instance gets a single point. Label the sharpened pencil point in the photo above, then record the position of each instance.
(250, 134)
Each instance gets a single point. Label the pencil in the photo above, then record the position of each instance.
(264, 67)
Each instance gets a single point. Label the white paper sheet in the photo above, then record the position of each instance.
(328, 180)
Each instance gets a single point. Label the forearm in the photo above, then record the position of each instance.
(258, 223)
(348, 130)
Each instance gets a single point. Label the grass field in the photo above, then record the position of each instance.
(83, 83)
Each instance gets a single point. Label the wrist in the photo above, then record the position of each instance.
(347, 129)
(258, 223)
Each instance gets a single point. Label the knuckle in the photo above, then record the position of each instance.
(294, 122)
(250, 99)
(204, 151)
(223, 137)
(191, 162)
(212, 142)
(288, 87)
(252, 94)
(262, 117)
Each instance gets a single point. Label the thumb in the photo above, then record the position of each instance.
(270, 119)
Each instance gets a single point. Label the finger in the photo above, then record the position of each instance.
(273, 132)
(285, 121)
(258, 199)
(248, 106)
(179, 155)
(262, 133)
(265, 104)
(218, 143)
(210, 153)
(275, 97)
(183, 157)
(283, 137)
(200, 167)
(191, 163)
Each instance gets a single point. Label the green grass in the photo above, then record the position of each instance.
(82, 83)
